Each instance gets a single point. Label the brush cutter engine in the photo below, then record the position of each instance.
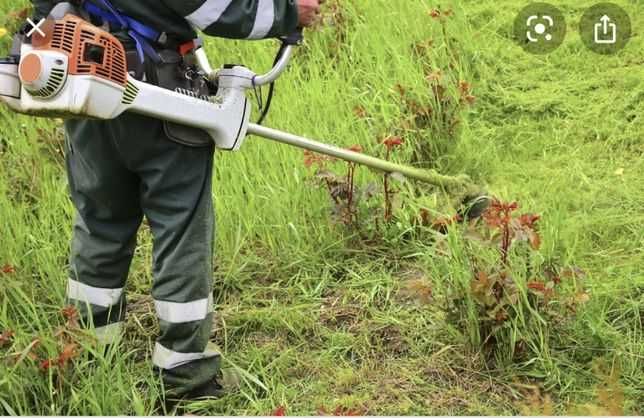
(79, 70)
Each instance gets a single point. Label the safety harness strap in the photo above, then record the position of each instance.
(139, 32)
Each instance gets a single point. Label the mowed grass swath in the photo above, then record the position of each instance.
(327, 305)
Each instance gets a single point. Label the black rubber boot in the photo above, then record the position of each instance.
(173, 405)
(227, 381)
(211, 390)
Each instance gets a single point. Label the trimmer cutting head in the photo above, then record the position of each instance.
(474, 206)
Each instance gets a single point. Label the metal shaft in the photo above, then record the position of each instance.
(426, 176)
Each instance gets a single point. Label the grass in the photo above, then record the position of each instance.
(320, 320)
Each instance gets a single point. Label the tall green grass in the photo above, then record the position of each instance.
(316, 319)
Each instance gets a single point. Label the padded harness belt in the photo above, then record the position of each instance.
(139, 32)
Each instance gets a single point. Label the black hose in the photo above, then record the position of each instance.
(271, 88)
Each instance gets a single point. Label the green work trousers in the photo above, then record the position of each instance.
(120, 171)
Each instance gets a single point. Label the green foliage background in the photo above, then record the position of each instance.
(317, 321)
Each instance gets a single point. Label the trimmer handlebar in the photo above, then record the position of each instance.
(284, 57)
(278, 68)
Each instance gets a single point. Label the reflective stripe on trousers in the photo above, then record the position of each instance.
(177, 313)
(165, 358)
(93, 295)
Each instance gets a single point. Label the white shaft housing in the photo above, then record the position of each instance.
(224, 116)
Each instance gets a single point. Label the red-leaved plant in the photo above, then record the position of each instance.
(499, 217)
(494, 290)
(8, 269)
(6, 337)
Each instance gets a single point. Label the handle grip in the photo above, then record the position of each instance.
(296, 38)
(286, 52)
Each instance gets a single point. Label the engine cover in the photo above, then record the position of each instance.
(90, 50)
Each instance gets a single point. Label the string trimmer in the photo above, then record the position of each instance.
(71, 68)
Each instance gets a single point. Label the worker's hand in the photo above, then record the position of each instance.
(308, 11)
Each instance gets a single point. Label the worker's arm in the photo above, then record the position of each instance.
(42, 8)
(249, 19)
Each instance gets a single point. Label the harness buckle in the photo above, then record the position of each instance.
(187, 47)
(163, 38)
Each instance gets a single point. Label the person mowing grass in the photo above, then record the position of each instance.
(134, 166)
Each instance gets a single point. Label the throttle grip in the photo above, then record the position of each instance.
(296, 38)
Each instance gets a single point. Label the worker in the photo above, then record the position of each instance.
(134, 166)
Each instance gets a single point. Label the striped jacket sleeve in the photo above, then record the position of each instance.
(240, 19)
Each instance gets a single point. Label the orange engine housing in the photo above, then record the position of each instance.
(90, 49)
